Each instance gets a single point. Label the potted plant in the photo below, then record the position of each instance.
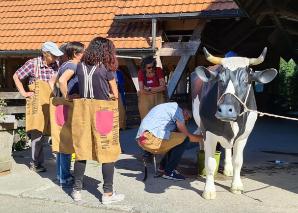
(7, 126)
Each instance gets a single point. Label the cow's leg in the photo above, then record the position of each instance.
(210, 165)
(228, 167)
(237, 186)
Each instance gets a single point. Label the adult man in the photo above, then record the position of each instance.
(156, 135)
(40, 68)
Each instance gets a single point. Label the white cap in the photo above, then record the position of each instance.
(52, 48)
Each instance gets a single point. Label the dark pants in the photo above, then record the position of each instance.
(37, 140)
(171, 160)
(107, 173)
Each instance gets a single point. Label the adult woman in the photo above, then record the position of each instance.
(96, 82)
(68, 88)
(152, 86)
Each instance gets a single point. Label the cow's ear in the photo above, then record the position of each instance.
(264, 76)
(204, 74)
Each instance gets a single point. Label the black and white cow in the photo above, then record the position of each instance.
(218, 99)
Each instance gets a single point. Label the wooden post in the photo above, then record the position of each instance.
(181, 66)
(133, 70)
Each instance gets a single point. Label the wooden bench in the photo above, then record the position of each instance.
(15, 106)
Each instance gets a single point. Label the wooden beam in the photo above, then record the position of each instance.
(179, 48)
(180, 68)
(281, 28)
(14, 110)
(133, 70)
(182, 64)
(11, 95)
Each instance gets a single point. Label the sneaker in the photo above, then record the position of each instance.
(37, 168)
(161, 170)
(76, 195)
(106, 199)
(173, 176)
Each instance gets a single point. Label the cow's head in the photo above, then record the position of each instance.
(234, 79)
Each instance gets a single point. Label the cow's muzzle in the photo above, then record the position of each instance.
(226, 112)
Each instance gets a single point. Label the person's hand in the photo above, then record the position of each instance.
(73, 96)
(196, 138)
(27, 94)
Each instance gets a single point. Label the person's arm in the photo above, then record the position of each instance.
(160, 88)
(64, 78)
(20, 87)
(52, 81)
(144, 89)
(193, 138)
(114, 89)
(161, 79)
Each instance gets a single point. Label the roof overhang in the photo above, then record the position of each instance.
(18, 53)
(213, 14)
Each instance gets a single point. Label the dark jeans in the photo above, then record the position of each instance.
(171, 160)
(107, 173)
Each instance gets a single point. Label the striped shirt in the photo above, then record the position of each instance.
(29, 70)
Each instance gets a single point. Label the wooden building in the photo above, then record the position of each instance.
(173, 31)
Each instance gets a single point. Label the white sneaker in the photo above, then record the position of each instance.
(76, 195)
(106, 199)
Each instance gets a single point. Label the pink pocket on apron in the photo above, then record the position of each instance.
(142, 139)
(61, 114)
(104, 122)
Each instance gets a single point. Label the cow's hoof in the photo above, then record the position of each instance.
(237, 190)
(209, 195)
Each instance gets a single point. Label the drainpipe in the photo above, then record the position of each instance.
(153, 34)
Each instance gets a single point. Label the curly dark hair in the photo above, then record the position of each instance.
(101, 50)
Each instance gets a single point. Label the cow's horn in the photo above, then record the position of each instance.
(211, 58)
(260, 59)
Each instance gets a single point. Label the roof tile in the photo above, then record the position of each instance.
(25, 24)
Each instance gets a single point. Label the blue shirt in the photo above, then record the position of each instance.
(72, 84)
(161, 120)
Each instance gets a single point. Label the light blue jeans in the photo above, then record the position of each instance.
(63, 167)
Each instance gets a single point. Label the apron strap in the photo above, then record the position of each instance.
(88, 85)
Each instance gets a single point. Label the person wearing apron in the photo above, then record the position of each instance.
(96, 82)
(66, 85)
(152, 86)
(42, 69)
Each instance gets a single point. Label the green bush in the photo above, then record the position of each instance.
(288, 85)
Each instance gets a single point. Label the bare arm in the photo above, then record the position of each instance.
(193, 138)
(114, 89)
(160, 88)
(52, 81)
(143, 89)
(64, 78)
(20, 87)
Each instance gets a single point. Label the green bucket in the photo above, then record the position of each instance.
(201, 162)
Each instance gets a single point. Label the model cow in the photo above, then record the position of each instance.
(220, 101)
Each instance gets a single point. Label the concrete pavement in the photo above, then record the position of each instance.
(269, 187)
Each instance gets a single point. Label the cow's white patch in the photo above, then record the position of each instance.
(196, 110)
(230, 88)
(251, 120)
(234, 63)
(223, 141)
